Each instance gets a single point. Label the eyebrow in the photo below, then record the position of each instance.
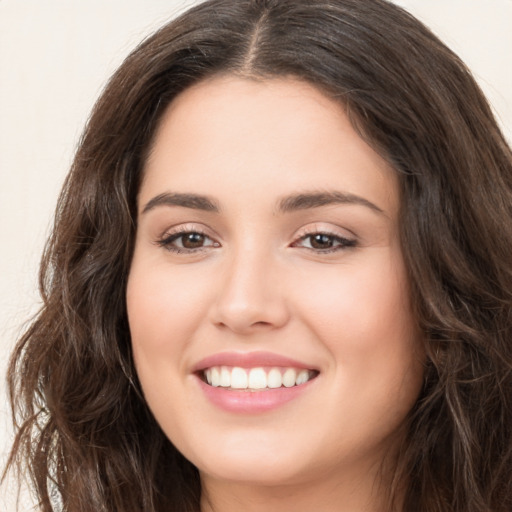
(296, 202)
(305, 201)
(195, 201)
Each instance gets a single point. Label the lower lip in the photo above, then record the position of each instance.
(252, 402)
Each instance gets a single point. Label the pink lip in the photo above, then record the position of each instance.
(249, 360)
(250, 402)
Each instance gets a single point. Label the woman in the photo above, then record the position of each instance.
(279, 278)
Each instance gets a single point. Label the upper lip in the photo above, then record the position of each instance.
(249, 360)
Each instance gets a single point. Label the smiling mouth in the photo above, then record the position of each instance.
(256, 379)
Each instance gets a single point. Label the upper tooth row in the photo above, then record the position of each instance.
(255, 378)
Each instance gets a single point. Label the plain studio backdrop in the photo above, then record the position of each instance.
(55, 57)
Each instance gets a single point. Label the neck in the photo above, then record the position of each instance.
(352, 492)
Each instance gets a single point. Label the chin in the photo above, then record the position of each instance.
(254, 465)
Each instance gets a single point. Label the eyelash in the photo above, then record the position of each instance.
(167, 241)
(343, 243)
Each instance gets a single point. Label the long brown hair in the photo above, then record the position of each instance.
(84, 433)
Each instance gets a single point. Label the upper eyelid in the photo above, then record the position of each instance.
(186, 228)
(305, 231)
(316, 228)
(345, 241)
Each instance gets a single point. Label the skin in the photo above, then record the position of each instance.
(257, 282)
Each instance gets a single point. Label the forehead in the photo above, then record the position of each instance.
(250, 134)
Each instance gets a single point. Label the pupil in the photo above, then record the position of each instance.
(193, 240)
(321, 241)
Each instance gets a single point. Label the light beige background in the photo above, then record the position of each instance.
(55, 56)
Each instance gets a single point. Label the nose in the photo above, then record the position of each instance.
(250, 296)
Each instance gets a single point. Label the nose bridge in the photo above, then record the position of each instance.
(250, 294)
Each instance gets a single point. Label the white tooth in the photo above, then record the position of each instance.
(215, 377)
(274, 379)
(289, 377)
(238, 378)
(208, 375)
(225, 377)
(302, 377)
(257, 378)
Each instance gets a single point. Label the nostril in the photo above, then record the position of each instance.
(261, 324)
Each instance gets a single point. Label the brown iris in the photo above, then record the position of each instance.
(321, 241)
(192, 240)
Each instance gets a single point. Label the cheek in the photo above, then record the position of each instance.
(363, 317)
(365, 321)
(163, 312)
(162, 304)
(361, 304)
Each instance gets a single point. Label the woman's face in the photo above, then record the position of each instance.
(267, 298)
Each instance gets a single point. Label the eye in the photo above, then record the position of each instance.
(324, 242)
(187, 241)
